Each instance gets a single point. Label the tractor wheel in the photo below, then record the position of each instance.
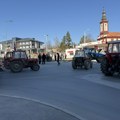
(74, 65)
(87, 64)
(35, 67)
(16, 66)
(105, 68)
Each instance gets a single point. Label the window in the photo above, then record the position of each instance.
(70, 52)
(20, 55)
(16, 54)
(23, 55)
(80, 53)
(110, 48)
(27, 46)
(115, 48)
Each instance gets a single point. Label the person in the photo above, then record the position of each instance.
(55, 56)
(1, 69)
(65, 56)
(29, 56)
(58, 58)
(43, 58)
(39, 58)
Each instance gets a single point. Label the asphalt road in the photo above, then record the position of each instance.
(83, 94)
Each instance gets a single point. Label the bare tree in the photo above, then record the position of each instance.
(56, 43)
(49, 45)
(86, 39)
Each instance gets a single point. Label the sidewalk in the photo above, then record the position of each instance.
(13, 108)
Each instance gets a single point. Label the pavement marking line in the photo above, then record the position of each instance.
(46, 104)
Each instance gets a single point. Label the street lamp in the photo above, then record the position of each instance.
(85, 34)
(46, 40)
(84, 37)
(8, 21)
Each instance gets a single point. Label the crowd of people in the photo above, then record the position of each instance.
(44, 57)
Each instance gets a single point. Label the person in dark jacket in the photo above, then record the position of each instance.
(39, 58)
(55, 56)
(43, 58)
(1, 69)
(58, 58)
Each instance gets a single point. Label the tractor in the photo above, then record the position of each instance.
(16, 60)
(95, 54)
(81, 59)
(111, 61)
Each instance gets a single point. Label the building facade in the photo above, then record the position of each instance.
(30, 45)
(106, 36)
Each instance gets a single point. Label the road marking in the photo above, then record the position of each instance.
(45, 103)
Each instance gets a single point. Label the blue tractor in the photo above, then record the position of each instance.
(95, 54)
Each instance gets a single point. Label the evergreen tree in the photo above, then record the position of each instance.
(63, 44)
(82, 40)
(68, 40)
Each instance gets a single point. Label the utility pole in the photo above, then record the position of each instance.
(46, 40)
(84, 37)
(8, 21)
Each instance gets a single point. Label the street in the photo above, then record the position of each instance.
(84, 94)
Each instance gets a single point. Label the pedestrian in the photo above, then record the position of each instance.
(39, 58)
(55, 56)
(43, 58)
(58, 58)
(65, 56)
(1, 69)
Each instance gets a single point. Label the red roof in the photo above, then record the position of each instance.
(113, 34)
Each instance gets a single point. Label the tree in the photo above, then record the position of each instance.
(57, 43)
(48, 45)
(86, 39)
(68, 40)
(63, 44)
(82, 40)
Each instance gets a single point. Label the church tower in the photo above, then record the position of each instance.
(103, 24)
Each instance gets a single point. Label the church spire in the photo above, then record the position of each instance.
(104, 15)
(104, 23)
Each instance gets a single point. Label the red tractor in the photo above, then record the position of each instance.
(111, 61)
(17, 60)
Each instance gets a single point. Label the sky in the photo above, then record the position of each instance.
(38, 18)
